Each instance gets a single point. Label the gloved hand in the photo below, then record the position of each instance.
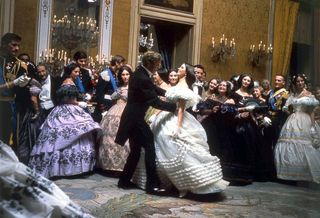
(115, 95)
(267, 121)
(82, 104)
(194, 108)
(152, 118)
(105, 75)
(176, 132)
(250, 108)
(87, 97)
(22, 81)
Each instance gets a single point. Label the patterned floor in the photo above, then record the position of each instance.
(100, 195)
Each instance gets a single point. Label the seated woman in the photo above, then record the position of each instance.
(182, 153)
(66, 144)
(296, 157)
(111, 155)
(24, 193)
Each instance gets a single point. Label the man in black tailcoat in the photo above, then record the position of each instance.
(142, 93)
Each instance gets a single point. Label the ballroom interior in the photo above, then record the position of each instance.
(228, 37)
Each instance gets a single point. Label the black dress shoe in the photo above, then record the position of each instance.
(126, 185)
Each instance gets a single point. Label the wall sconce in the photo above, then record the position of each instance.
(258, 56)
(223, 50)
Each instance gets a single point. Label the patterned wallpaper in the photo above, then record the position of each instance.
(244, 20)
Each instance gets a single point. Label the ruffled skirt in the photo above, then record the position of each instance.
(184, 161)
(296, 157)
(66, 144)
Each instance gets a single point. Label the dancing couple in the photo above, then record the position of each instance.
(179, 153)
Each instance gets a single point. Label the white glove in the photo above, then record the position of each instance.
(115, 95)
(82, 104)
(194, 108)
(250, 108)
(175, 133)
(21, 81)
(105, 76)
(152, 118)
(87, 97)
(267, 121)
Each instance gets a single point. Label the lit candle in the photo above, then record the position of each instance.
(264, 47)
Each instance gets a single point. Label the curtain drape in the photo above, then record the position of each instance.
(286, 13)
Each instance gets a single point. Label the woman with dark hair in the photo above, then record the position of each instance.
(296, 157)
(212, 88)
(249, 162)
(160, 78)
(182, 152)
(113, 156)
(173, 78)
(66, 144)
(217, 112)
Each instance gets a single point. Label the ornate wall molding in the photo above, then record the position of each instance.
(45, 7)
(6, 16)
(44, 27)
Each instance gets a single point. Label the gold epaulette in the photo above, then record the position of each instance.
(22, 64)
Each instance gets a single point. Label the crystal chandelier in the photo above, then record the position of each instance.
(72, 31)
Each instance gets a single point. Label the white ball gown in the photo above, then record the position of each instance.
(296, 157)
(25, 193)
(183, 161)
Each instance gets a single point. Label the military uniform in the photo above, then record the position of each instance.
(276, 102)
(10, 69)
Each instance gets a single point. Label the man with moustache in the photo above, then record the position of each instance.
(13, 80)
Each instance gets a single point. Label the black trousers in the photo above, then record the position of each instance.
(141, 136)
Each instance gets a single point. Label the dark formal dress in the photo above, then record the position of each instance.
(142, 93)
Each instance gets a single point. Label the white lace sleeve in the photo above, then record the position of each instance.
(176, 93)
(309, 101)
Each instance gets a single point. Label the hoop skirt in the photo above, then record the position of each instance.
(25, 193)
(67, 141)
(113, 156)
(296, 157)
(184, 161)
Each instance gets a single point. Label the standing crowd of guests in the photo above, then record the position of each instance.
(161, 128)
